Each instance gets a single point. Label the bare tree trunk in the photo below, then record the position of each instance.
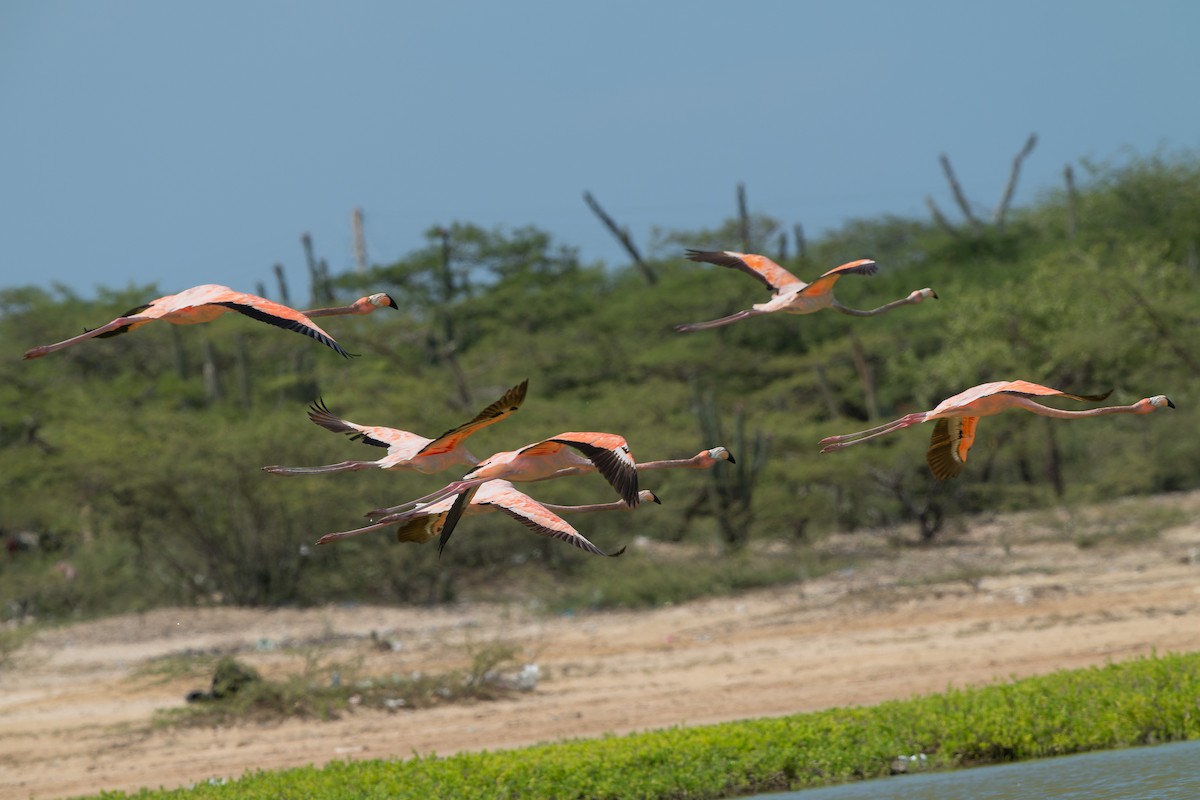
(1006, 198)
(743, 218)
(243, 370)
(212, 375)
(782, 247)
(314, 272)
(826, 393)
(959, 197)
(1072, 202)
(801, 244)
(940, 218)
(622, 236)
(865, 375)
(360, 240)
(1054, 471)
(281, 279)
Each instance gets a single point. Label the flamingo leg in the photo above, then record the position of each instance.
(717, 323)
(385, 522)
(342, 466)
(46, 349)
(832, 443)
(458, 487)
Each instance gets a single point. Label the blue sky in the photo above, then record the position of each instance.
(177, 144)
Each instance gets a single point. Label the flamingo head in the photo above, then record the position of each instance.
(922, 294)
(647, 496)
(382, 300)
(718, 454)
(1154, 403)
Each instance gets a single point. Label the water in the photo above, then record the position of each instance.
(1164, 772)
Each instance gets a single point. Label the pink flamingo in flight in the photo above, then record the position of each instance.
(789, 294)
(958, 416)
(408, 451)
(209, 301)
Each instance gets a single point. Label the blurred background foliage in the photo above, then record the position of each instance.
(131, 465)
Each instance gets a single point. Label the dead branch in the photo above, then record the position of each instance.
(801, 244)
(622, 237)
(865, 375)
(1011, 187)
(959, 197)
(940, 218)
(1072, 202)
(1164, 332)
(743, 218)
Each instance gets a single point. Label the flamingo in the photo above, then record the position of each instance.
(363, 305)
(958, 416)
(207, 302)
(607, 453)
(790, 294)
(426, 521)
(408, 451)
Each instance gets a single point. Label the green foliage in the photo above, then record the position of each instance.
(326, 689)
(135, 460)
(1145, 701)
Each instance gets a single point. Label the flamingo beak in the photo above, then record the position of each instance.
(1169, 403)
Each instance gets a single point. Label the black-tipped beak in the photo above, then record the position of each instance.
(731, 459)
(391, 302)
(935, 296)
(1169, 403)
(654, 497)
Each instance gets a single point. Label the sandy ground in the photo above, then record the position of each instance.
(1009, 596)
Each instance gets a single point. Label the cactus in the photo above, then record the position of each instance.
(731, 486)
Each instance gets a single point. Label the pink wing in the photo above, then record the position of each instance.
(535, 516)
(375, 435)
(975, 393)
(825, 283)
(611, 457)
(506, 405)
(763, 269)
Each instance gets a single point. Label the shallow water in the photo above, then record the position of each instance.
(1163, 772)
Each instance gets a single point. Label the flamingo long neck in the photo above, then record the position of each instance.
(618, 505)
(858, 312)
(695, 462)
(1058, 413)
(332, 312)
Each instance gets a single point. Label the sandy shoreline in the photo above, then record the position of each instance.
(1004, 598)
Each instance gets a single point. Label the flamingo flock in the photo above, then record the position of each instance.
(488, 483)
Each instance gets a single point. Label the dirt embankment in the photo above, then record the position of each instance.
(1008, 597)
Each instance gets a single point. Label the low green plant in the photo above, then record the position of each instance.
(325, 689)
(1143, 701)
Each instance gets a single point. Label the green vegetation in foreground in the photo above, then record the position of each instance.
(1144, 701)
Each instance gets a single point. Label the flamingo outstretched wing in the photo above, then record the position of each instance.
(505, 406)
(1037, 390)
(608, 452)
(374, 435)
(825, 283)
(539, 519)
(948, 446)
(280, 316)
(761, 268)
